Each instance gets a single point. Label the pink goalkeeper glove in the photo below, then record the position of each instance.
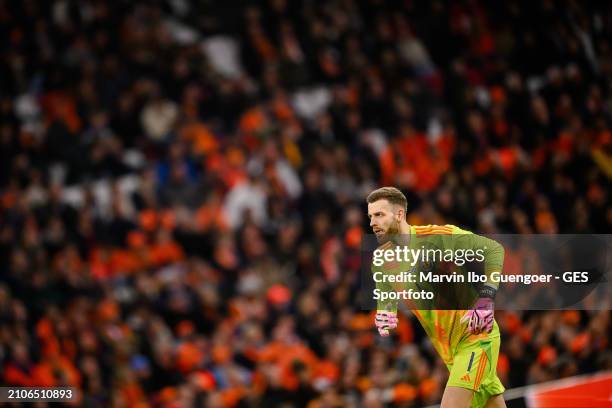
(480, 318)
(385, 321)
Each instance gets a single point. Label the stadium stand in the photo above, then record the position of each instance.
(182, 188)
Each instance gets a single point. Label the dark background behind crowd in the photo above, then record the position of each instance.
(182, 188)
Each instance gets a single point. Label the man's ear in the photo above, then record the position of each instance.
(399, 215)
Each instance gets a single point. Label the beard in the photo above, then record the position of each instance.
(391, 234)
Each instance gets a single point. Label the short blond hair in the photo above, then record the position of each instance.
(391, 194)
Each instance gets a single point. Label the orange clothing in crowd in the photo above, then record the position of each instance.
(284, 355)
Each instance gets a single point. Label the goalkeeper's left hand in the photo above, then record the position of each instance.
(480, 318)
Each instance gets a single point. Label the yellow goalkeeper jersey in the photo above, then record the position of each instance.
(441, 253)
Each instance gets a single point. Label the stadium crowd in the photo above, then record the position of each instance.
(182, 188)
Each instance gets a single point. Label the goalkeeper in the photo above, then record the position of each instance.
(467, 340)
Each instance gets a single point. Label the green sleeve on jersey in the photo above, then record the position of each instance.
(388, 305)
(493, 251)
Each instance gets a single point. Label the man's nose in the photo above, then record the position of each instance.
(372, 223)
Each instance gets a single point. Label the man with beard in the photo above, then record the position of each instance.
(467, 340)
